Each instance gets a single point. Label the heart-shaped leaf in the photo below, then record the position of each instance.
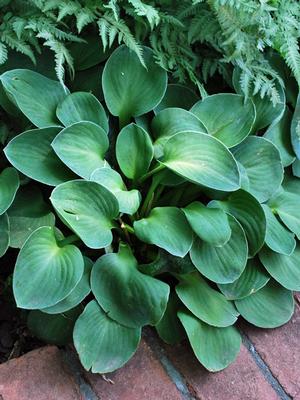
(45, 273)
(134, 151)
(54, 329)
(78, 294)
(170, 121)
(177, 96)
(169, 327)
(278, 238)
(129, 201)
(123, 73)
(247, 154)
(247, 210)
(210, 224)
(253, 278)
(40, 163)
(27, 213)
(287, 206)
(277, 135)
(173, 120)
(202, 159)
(82, 106)
(125, 294)
(204, 302)
(4, 234)
(82, 147)
(270, 307)
(226, 117)
(88, 209)
(285, 269)
(225, 263)
(167, 228)
(9, 184)
(35, 95)
(215, 348)
(102, 344)
(295, 129)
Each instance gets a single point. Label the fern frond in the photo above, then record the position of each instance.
(62, 56)
(18, 45)
(83, 18)
(121, 31)
(145, 10)
(3, 53)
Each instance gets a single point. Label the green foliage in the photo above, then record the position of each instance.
(193, 39)
(179, 218)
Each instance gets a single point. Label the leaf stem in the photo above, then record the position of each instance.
(128, 228)
(149, 197)
(152, 172)
(123, 121)
(68, 240)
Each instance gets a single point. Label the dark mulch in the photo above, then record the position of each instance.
(15, 338)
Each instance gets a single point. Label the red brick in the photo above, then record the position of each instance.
(142, 378)
(38, 375)
(280, 349)
(241, 380)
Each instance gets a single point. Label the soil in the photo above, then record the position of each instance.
(15, 338)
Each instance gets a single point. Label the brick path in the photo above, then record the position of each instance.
(268, 368)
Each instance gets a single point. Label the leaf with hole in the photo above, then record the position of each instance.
(102, 344)
(88, 209)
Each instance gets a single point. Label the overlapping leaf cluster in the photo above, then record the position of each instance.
(150, 208)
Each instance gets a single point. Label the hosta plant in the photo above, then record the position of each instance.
(152, 208)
